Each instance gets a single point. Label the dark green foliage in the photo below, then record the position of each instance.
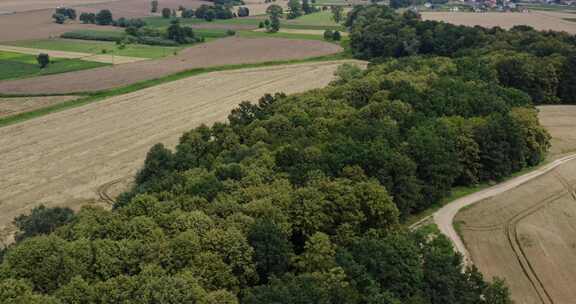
(210, 13)
(272, 250)
(63, 14)
(43, 60)
(88, 18)
(294, 9)
(123, 22)
(154, 6)
(243, 11)
(104, 17)
(535, 62)
(166, 12)
(42, 220)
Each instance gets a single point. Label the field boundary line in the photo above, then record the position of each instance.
(90, 97)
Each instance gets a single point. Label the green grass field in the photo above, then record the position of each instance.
(14, 66)
(316, 21)
(97, 47)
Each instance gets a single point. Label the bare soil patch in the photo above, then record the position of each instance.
(38, 25)
(527, 235)
(538, 20)
(217, 53)
(71, 157)
(12, 106)
(33, 5)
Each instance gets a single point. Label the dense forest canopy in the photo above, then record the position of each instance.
(301, 198)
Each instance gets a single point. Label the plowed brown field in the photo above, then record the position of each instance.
(528, 235)
(69, 158)
(220, 52)
(538, 20)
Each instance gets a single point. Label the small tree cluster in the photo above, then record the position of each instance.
(104, 17)
(88, 18)
(43, 60)
(210, 13)
(332, 35)
(243, 11)
(64, 14)
(154, 6)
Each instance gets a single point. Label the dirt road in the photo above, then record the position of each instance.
(64, 158)
(444, 218)
(72, 55)
(224, 51)
(523, 230)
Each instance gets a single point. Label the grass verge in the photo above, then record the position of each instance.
(459, 192)
(89, 97)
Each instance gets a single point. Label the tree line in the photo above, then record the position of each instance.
(540, 63)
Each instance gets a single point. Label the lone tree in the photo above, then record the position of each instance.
(43, 60)
(295, 9)
(166, 12)
(273, 22)
(337, 13)
(154, 6)
(104, 17)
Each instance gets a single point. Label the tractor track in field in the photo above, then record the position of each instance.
(104, 191)
(510, 227)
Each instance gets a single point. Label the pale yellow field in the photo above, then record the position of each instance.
(16, 105)
(66, 158)
(528, 235)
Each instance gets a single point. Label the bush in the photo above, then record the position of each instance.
(336, 36)
(243, 12)
(156, 41)
(166, 13)
(104, 17)
(94, 35)
(328, 34)
(230, 32)
(43, 60)
(88, 18)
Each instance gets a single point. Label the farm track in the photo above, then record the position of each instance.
(104, 191)
(510, 229)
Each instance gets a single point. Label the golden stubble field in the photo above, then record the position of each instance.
(69, 158)
(537, 19)
(528, 235)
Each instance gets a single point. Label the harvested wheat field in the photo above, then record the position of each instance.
(71, 157)
(217, 53)
(538, 20)
(16, 105)
(560, 121)
(528, 235)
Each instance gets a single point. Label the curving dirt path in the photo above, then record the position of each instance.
(225, 51)
(444, 217)
(73, 157)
